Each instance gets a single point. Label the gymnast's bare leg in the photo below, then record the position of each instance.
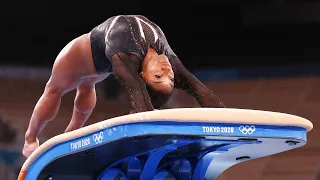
(73, 68)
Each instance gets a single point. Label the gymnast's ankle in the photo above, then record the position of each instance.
(29, 139)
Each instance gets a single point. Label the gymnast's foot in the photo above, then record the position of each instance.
(29, 147)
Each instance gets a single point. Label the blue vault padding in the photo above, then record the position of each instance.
(161, 150)
(107, 153)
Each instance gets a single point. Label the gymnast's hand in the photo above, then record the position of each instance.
(29, 147)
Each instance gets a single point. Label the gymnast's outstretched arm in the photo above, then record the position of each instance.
(186, 81)
(127, 74)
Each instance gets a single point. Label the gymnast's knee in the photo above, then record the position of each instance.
(53, 91)
(85, 100)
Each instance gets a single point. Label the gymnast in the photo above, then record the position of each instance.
(136, 51)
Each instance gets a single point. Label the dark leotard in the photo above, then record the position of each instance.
(119, 46)
(127, 34)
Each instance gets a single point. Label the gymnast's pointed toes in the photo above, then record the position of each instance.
(29, 148)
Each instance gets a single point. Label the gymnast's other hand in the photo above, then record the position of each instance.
(30, 147)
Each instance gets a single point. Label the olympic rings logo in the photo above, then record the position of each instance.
(247, 129)
(98, 137)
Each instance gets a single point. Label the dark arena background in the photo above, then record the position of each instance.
(255, 54)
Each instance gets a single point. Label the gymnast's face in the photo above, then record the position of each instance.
(158, 74)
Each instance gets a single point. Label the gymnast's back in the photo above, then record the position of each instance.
(127, 34)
